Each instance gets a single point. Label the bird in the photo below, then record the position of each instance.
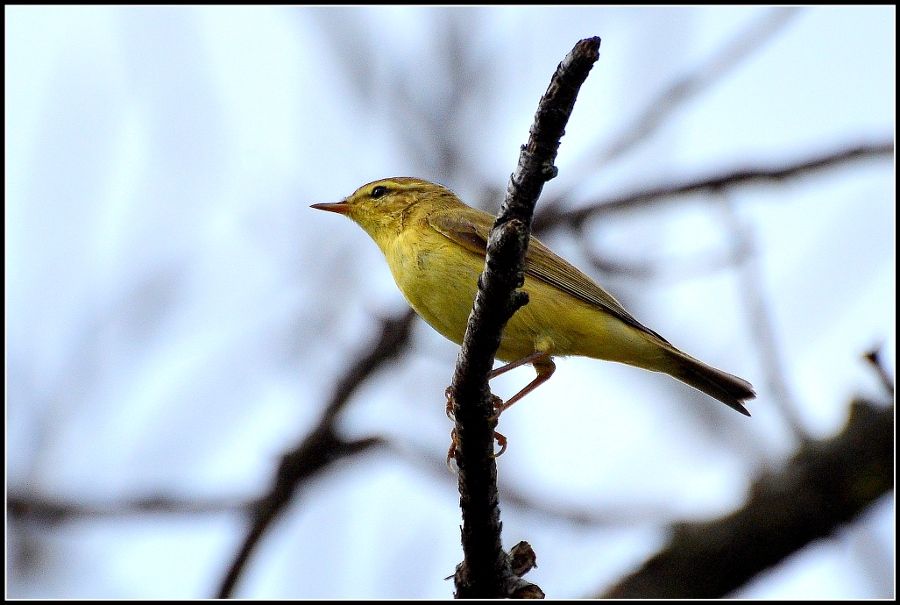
(435, 246)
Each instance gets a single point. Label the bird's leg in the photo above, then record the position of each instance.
(501, 441)
(544, 367)
(519, 362)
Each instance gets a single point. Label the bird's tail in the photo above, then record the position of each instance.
(727, 388)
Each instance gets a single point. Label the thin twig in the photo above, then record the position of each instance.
(874, 357)
(53, 510)
(762, 330)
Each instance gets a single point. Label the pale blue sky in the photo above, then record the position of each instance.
(176, 315)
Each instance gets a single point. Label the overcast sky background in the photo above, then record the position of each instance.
(176, 315)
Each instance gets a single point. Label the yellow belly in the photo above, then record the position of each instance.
(442, 293)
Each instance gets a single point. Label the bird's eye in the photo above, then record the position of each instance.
(379, 191)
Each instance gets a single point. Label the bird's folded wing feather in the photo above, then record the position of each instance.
(470, 230)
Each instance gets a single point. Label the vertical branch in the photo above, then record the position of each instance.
(485, 571)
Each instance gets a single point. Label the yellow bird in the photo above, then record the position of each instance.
(435, 247)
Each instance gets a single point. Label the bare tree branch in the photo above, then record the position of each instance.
(435, 131)
(762, 329)
(826, 484)
(552, 214)
(54, 511)
(689, 86)
(321, 448)
(485, 572)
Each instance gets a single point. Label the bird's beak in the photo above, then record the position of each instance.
(339, 207)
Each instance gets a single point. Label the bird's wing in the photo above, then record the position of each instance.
(464, 225)
(470, 229)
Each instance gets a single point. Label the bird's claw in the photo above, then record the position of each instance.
(449, 395)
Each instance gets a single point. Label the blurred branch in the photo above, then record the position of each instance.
(321, 448)
(54, 511)
(433, 129)
(552, 215)
(874, 358)
(689, 86)
(318, 451)
(392, 342)
(486, 572)
(824, 485)
(752, 288)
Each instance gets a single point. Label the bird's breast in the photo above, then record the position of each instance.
(439, 280)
